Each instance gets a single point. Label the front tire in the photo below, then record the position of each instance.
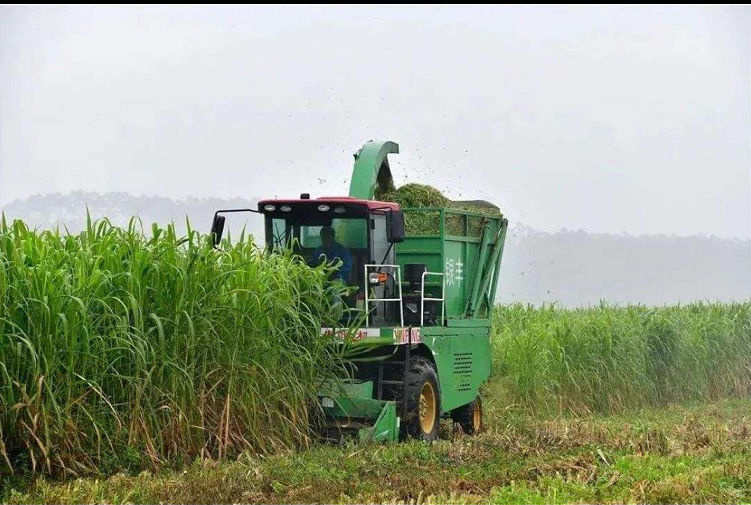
(423, 401)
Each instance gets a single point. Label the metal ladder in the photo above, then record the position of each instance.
(404, 366)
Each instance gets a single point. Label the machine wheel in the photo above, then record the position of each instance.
(423, 401)
(469, 416)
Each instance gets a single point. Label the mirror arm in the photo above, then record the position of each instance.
(230, 211)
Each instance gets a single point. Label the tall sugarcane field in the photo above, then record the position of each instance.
(355, 354)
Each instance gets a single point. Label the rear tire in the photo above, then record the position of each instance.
(469, 416)
(423, 401)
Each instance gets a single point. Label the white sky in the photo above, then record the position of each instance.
(609, 119)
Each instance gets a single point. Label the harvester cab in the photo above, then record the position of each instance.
(423, 280)
(359, 235)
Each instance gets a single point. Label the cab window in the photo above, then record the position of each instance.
(351, 233)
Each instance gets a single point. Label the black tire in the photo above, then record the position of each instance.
(469, 416)
(421, 380)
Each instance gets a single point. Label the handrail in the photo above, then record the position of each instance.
(423, 299)
(376, 300)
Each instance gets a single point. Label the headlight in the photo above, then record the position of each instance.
(285, 208)
(269, 208)
(338, 210)
(324, 208)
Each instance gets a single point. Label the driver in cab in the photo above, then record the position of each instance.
(331, 250)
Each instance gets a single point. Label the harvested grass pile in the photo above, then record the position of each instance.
(122, 349)
(423, 222)
(416, 195)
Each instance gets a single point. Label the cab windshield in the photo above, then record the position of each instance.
(324, 238)
(352, 235)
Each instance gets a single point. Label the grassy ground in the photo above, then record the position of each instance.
(695, 454)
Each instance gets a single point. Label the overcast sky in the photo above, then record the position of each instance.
(609, 119)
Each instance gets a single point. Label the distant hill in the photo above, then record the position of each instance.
(579, 268)
(69, 210)
(569, 267)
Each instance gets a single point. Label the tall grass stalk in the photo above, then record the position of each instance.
(114, 343)
(607, 358)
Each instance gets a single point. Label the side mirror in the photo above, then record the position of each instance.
(217, 228)
(395, 226)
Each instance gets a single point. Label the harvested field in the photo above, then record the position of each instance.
(691, 454)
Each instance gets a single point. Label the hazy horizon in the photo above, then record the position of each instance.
(613, 120)
(80, 213)
(570, 267)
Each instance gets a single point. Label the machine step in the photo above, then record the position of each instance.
(401, 363)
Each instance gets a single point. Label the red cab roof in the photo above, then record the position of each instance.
(371, 204)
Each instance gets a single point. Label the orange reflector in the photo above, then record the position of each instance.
(376, 278)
